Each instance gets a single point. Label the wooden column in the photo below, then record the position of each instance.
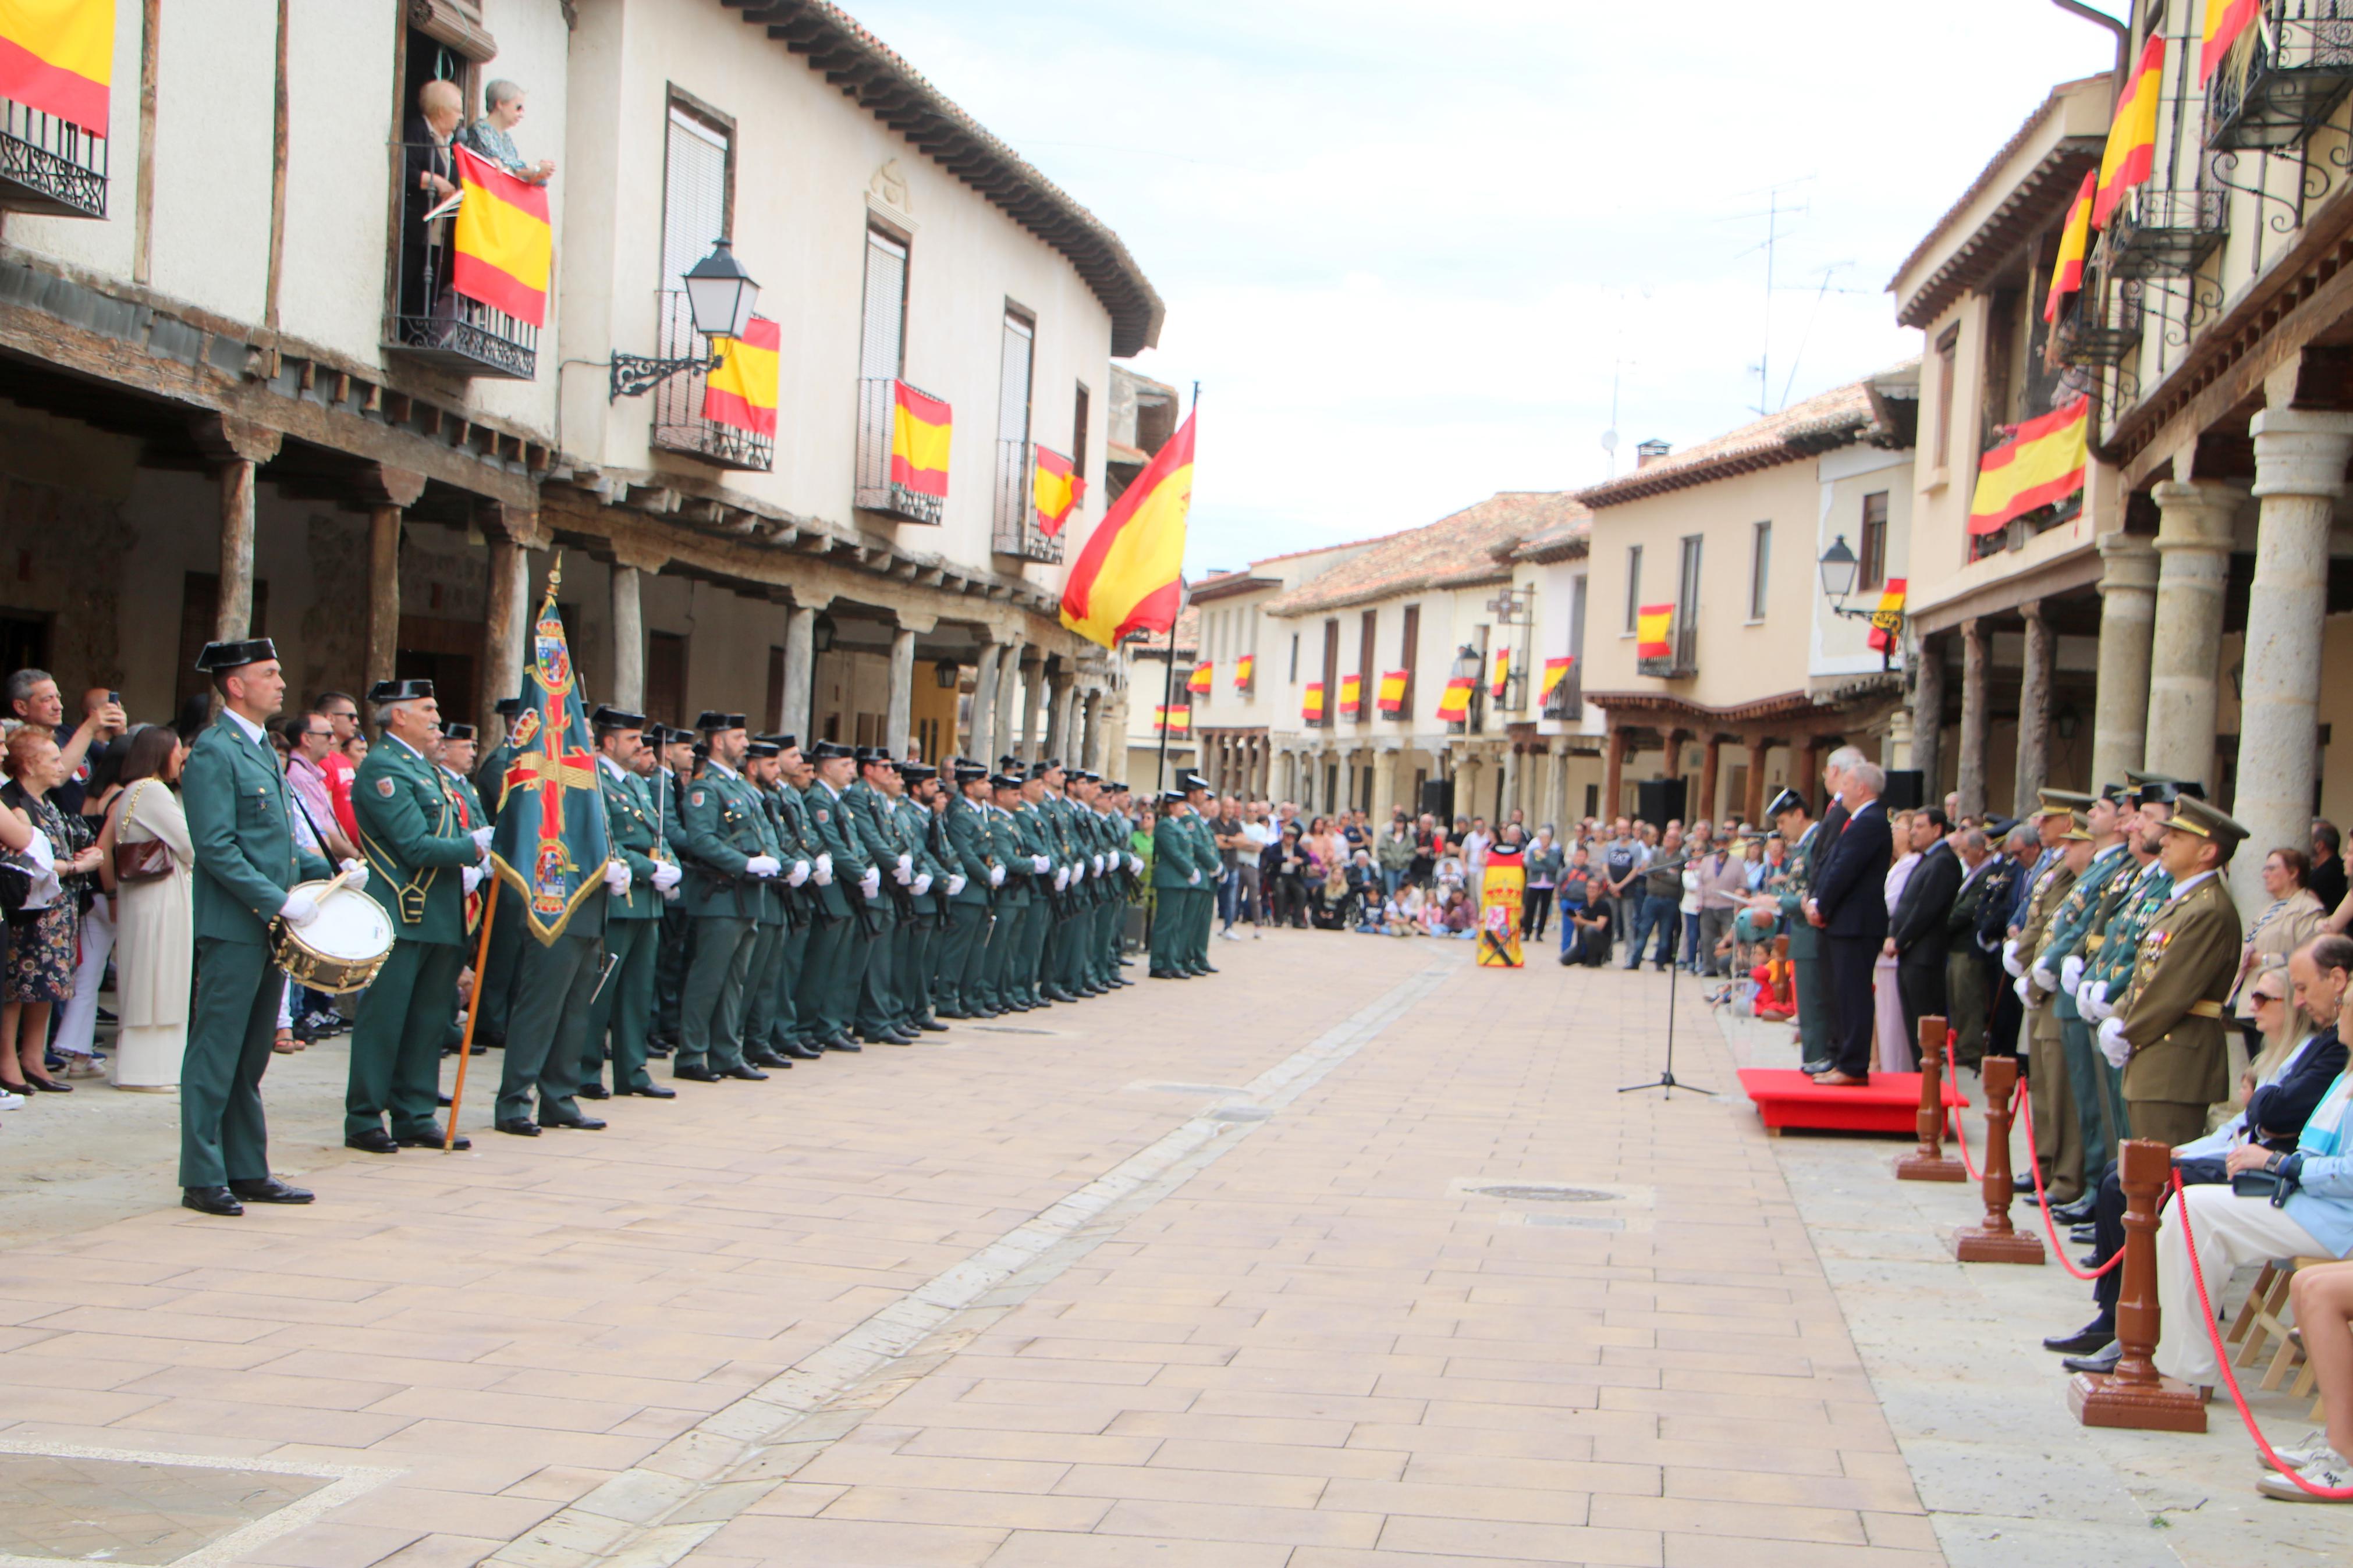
(388, 492)
(1929, 719)
(1707, 778)
(1976, 660)
(2034, 707)
(1613, 770)
(238, 447)
(1806, 753)
(1752, 809)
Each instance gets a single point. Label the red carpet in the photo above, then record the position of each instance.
(1889, 1103)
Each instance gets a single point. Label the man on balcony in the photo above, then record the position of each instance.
(428, 178)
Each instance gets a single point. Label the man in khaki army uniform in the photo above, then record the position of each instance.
(2058, 1142)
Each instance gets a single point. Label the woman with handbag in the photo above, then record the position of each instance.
(77, 1038)
(151, 856)
(41, 936)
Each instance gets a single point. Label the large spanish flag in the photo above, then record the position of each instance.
(2075, 241)
(1654, 631)
(2225, 20)
(1173, 721)
(1555, 671)
(1392, 701)
(58, 56)
(1244, 667)
(1502, 672)
(2132, 135)
(1056, 489)
(920, 427)
(1454, 704)
(1311, 707)
(504, 242)
(1202, 676)
(742, 391)
(2041, 462)
(1352, 696)
(1128, 578)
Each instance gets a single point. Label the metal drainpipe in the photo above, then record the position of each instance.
(2122, 31)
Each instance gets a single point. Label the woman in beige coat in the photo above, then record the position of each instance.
(154, 940)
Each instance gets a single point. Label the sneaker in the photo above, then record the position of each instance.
(2327, 1469)
(2296, 1456)
(11, 1101)
(1229, 934)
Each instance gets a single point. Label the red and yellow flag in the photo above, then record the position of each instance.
(2041, 462)
(1555, 671)
(504, 241)
(2132, 136)
(1311, 707)
(1174, 720)
(58, 56)
(1391, 700)
(920, 427)
(1454, 704)
(1352, 696)
(742, 391)
(2225, 20)
(1503, 673)
(2075, 239)
(1056, 491)
(1887, 619)
(1654, 631)
(1128, 578)
(1244, 667)
(1201, 679)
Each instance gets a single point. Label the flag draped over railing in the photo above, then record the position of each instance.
(2074, 241)
(2131, 151)
(1311, 706)
(1352, 696)
(2225, 20)
(741, 392)
(921, 426)
(1056, 489)
(1887, 618)
(1202, 677)
(2041, 462)
(1555, 671)
(550, 844)
(1244, 667)
(1455, 706)
(504, 241)
(1391, 698)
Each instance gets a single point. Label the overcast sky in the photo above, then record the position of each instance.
(1404, 247)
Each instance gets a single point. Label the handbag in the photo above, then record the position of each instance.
(147, 861)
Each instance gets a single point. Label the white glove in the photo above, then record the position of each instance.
(470, 878)
(900, 875)
(763, 866)
(2113, 1044)
(2009, 959)
(1193, 876)
(482, 837)
(2025, 989)
(2042, 977)
(996, 876)
(1099, 863)
(906, 866)
(1061, 877)
(923, 884)
(299, 909)
(871, 884)
(824, 866)
(1039, 864)
(2071, 973)
(1135, 864)
(617, 876)
(355, 874)
(666, 875)
(957, 882)
(798, 874)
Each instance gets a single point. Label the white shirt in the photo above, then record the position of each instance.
(2185, 887)
(253, 731)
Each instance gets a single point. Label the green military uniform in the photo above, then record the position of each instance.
(783, 1031)
(1200, 899)
(834, 971)
(726, 828)
(1011, 917)
(2076, 920)
(240, 822)
(770, 928)
(2056, 1132)
(2171, 1018)
(963, 835)
(925, 935)
(675, 945)
(549, 1051)
(1029, 957)
(1805, 942)
(868, 821)
(621, 1013)
(1174, 873)
(410, 821)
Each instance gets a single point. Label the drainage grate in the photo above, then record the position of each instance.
(1240, 1113)
(1574, 1221)
(1149, 1088)
(1542, 1193)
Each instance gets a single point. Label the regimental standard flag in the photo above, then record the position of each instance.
(1454, 704)
(2225, 20)
(2075, 239)
(1244, 667)
(504, 241)
(920, 427)
(2132, 136)
(741, 392)
(1654, 631)
(1391, 697)
(1555, 671)
(1056, 489)
(1887, 619)
(1503, 673)
(550, 844)
(1202, 677)
(1311, 707)
(1175, 720)
(1128, 578)
(58, 56)
(1352, 696)
(2041, 462)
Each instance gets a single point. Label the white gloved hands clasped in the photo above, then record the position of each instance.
(666, 875)
(996, 876)
(617, 877)
(921, 885)
(355, 874)
(870, 883)
(798, 874)
(1040, 864)
(823, 871)
(2113, 1044)
(907, 864)
(2025, 989)
(1099, 863)
(2009, 959)
(470, 878)
(2043, 980)
(763, 866)
(483, 838)
(1194, 877)
(1061, 877)
(957, 882)
(2071, 973)
(299, 909)
(1135, 864)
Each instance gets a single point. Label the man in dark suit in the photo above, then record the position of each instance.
(1848, 907)
(1918, 928)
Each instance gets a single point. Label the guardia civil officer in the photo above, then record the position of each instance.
(835, 967)
(622, 1011)
(789, 1034)
(730, 854)
(763, 770)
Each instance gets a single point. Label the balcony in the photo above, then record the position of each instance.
(431, 323)
(1567, 700)
(2162, 233)
(876, 488)
(1015, 531)
(49, 165)
(2104, 331)
(2283, 78)
(680, 423)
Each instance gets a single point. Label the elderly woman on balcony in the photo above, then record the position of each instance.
(492, 135)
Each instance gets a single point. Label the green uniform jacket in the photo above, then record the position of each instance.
(477, 814)
(2173, 1015)
(726, 825)
(796, 830)
(1172, 855)
(1005, 846)
(240, 822)
(968, 843)
(491, 780)
(2077, 917)
(1805, 942)
(829, 820)
(2120, 946)
(408, 821)
(636, 843)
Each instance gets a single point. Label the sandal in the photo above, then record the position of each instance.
(284, 1043)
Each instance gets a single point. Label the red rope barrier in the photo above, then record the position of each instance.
(1961, 1134)
(2026, 1104)
(2222, 1360)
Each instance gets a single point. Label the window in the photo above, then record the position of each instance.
(1760, 568)
(1633, 588)
(698, 203)
(1368, 677)
(1871, 562)
(1687, 605)
(1079, 434)
(1016, 528)
(882, 344)
(882, 361)
(1409, 644)
(1947, 360)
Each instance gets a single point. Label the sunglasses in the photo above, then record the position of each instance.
(2260, 997)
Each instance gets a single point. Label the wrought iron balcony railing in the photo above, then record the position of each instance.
(2162, 233)
(1567, 700)
(49, 165)
(2283, 77)
(429, 320)
(1015, 531)
(2104, 329)
(680, 423)
(875, 489)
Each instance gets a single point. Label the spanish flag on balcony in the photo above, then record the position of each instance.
(2041, 462)
(1503, 673)
(1887, 619)
(504, 241)
(1175, 720)
(2075, 241)
(741, 392)
(1352, 696)
(920, 427)
(1056, 489)
(1391, 700)
(1311, 707)
(1201, 679)
(1555, 671)
(58, 56)
(2225, 20)
(1128, 578)
(2132, 135)
(1244, 667)
(1654, 631)
(1454, 704)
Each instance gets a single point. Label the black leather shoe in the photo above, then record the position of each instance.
(2078, 1213)
(442, 1100)
(930, 1026)
(593, 1091)
(886, 1037)
(2022, 1186)
(1057, 994)
(217, 1201)
(269, 1190)
(694, 1072)
(1166, 974)
(950, 1013)
(374, 1140)
(521, 1126)
(2103, 1361)
(2093, 1336)
(1208, 969)
(802, 1050)
(764, 1057)
(578, 1124)
(2084, 1235)
(651, 1091)
(743, 1070)
(433, 1141)
(843, 1042)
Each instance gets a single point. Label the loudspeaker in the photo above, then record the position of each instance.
(1903, 790)
(1437, 801)
(1660, 801)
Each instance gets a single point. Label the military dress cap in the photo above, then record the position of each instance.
(1788, 800)
(966, 770)
(1038, 770)
(823, 749)
(713, 721)
(508, 707)
(457, 732)
(400, 691)
(2058, 802)
(1009, 764)
(762, 749)
(2191, 814)
(1192, 782)
(2079, 827)
(703, 748)
(609, 717)
(2116, 793)
(1004, 781)
(1998, 828)
(220, 656)
(916, 773)
(2160, 790)
(1172, 797)
(783, 742)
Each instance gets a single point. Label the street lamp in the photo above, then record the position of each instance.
(1838, 567)
(719, 296)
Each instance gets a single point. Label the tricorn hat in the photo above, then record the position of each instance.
(823, 749)
(609, 717)
(217, 657)
(400, 691)
(457, 732)
(713, 721)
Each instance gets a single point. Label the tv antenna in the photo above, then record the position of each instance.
(1774, 233)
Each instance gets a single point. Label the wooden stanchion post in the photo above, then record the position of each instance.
(1994, 1239)
(2133, 1394)
(1929, 1162)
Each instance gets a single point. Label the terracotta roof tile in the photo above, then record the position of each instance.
(1832, 419)
(1188, 634)
(1461, 548)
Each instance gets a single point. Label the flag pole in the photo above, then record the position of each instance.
(1168, 686)
(473, 1011)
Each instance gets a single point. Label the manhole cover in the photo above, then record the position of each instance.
(1535, 1193)
(1240, 1113)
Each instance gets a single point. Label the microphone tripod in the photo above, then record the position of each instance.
(1666, 1079)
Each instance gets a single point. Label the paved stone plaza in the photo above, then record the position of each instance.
(1349, 1256)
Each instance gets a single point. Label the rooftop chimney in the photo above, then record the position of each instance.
(1650, 452)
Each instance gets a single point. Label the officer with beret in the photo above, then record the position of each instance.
(620, 1007)
(730, 854)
